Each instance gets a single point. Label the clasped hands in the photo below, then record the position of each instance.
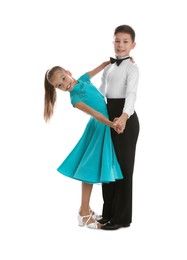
(119, 125)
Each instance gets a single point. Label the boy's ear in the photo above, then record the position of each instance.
(133, 45)
(68, 72)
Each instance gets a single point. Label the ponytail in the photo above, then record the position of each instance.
(49, 98)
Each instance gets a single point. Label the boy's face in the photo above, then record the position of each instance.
(123, 44)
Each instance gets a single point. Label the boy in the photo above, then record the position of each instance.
(119, 85)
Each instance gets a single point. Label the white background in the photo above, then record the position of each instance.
(38, 205)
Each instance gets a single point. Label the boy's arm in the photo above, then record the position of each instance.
(130, 99)
(98, 69)
(92, 112)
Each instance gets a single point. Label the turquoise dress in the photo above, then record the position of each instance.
(93, 159)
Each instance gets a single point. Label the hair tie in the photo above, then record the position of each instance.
(47, 74)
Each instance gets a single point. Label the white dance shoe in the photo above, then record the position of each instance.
(95, 216)
(94, 225)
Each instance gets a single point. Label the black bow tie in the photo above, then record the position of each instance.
(118, 61)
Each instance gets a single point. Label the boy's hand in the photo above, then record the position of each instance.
(119, 124)
(118, 128)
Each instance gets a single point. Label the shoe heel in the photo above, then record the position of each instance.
(80, 221)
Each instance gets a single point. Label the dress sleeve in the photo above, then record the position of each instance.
(79, 93)
(85, 78)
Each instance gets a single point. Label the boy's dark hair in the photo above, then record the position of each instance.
(125, 29)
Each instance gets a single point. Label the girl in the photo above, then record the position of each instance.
(93, 159)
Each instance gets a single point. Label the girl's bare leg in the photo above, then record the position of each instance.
(85, 201)
(85, 198)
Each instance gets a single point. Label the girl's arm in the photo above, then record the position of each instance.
(98, 69)
(97, 115)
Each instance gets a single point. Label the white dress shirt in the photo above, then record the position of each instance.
(121, 82)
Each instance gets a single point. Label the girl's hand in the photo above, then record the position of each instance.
(131, 58)
(118, 130)
(117, 127)
(119, 124)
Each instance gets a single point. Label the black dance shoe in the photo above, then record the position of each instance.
(111, 226)
(103, 221)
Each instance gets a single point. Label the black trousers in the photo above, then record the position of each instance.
(117, 196)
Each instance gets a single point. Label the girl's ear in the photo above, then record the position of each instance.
(68, 72)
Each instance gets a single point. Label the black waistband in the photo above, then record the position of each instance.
(115, 100)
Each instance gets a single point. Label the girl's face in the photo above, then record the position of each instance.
(63, 80)
(123, 44)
